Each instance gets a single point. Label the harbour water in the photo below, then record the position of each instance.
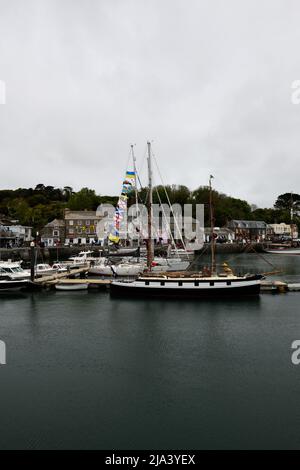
(88, 372)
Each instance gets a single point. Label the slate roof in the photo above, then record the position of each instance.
(249, 224)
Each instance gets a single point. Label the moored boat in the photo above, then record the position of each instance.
(283, 250)
(209, 283)
(68, 286)
(13, 270)
(43, 270)
(7, 284)
(188, 287)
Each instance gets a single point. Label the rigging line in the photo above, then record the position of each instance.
(201, 254)
(137, 171)
(169, 227)
(143, 162)
(128, 159)
(246, 250)
(261, 256)
(169, 202)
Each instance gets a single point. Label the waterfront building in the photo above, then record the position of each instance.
(281, 229)
(249, 230)
(81, 227)
(12, 234)
(54, 233)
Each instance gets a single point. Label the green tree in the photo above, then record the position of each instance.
(85, 199)
(288, 201)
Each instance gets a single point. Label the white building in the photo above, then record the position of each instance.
(14, 235)
(281, 229)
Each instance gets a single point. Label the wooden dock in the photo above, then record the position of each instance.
(279, 287)
(59, 276)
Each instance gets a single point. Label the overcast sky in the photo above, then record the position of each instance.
(209, 82)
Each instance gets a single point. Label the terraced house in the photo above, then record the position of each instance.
(81, 227)
(250, 230)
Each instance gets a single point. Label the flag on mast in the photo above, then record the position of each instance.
(127, 188)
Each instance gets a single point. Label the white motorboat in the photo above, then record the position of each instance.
(13, 270)
(84, 258)
(59, 268)
(7, 284)
(43, 270)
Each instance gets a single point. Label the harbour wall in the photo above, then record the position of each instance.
(232, 248)
(63, 253)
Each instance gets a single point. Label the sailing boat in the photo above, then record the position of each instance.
(186, 285)
(131, 267)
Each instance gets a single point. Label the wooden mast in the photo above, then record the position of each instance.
(212, 228)
(150, 253)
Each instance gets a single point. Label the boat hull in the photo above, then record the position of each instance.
(287, 252)
(71, 287)
(8, 286)
(188, 290)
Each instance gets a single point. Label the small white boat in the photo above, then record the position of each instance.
(102, 267)
(84, 258)
(43, 270)
(283, 251)
(59, 268)
(67, 286)
(128, 269)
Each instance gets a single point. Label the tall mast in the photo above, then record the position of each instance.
(212, 228)
(292, 207)
(150, 203)
(136, 192)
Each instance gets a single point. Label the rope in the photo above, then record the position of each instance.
(169, 202)
(169, 227)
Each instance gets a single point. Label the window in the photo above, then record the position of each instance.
(196, 284)
(180, 283)
(71, 231)
(71, 222)
(88, 222)
(55, 233)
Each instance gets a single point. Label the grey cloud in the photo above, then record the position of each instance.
(208, 81)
